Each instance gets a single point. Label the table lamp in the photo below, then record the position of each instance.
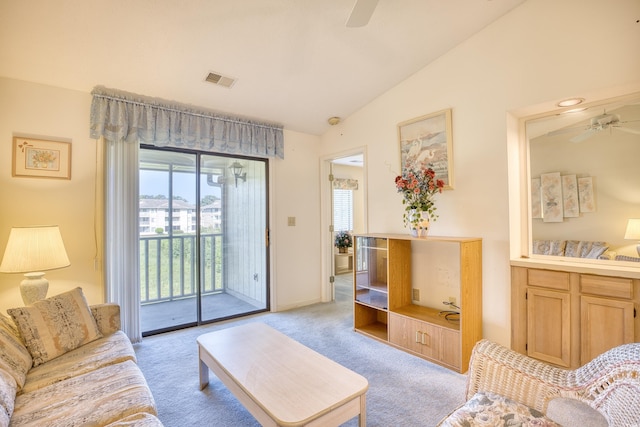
(633, 231)
(32, 250)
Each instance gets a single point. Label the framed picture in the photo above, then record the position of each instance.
(570, 196)
(585, 193)
(41, 159)
(551, 189)
(427, 142)
(536, 199)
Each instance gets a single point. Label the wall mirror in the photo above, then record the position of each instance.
(584, 173)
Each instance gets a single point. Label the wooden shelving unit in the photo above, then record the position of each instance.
(383, 305)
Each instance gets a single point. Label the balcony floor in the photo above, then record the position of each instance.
(163, 315)
(171, 314)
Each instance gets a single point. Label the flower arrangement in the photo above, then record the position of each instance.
(343, 240)
(418, 189)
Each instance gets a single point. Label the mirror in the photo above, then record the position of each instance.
(584, 170)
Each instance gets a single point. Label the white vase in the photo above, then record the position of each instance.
(421, 227)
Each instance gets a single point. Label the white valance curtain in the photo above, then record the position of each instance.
(121, 116)
(125, 120)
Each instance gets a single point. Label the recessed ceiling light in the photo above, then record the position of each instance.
(570, 102)
(333, 120)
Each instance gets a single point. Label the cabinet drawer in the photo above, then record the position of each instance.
(615, 287)
(548, 279)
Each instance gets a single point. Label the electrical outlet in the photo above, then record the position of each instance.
(452, 300)
(416, 294)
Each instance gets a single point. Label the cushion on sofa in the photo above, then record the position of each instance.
(137, 420)
(96, 398)
(107, 317)
(14, 356)
(56, 325)
(109, 350)
(8, 389)
(490, 409)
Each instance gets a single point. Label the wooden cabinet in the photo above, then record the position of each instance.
(568, 318)
(384, 307)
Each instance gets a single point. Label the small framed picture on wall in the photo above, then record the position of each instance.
(39, 158)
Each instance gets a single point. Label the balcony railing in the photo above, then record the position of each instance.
(168, 266)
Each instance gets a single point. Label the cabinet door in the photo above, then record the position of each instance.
(450, 348)
(604, 324)
(414, 335)
(549, 326)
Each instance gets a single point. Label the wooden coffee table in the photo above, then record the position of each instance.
(280, 381)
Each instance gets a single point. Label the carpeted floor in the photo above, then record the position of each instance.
(404, 390)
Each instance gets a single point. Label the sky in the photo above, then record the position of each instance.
(153, 183)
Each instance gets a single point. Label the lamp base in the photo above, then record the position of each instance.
(34, 287)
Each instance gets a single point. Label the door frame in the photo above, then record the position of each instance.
(326, 215)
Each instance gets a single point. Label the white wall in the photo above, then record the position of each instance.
(540, 52)
(297, 248)
(51, 113)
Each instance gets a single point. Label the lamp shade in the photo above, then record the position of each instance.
(37, 248)
(633, 229)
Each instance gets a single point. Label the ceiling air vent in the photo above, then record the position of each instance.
(220, 80)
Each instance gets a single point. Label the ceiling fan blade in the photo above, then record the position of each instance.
(629, 130)
(361, 13)
(565, 130)
(584, 136)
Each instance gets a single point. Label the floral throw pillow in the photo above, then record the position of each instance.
(14, 357)
(490, 409)
(56, 325)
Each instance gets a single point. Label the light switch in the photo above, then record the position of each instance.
(291, 221)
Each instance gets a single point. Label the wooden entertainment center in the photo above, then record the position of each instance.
(384, 304)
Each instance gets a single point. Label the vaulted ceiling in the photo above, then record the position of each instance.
(294, 62)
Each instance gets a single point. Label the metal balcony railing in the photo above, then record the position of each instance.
(168, 266)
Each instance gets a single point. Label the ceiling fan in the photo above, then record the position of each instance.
(597, 124)
(603, 122)
(361, 13)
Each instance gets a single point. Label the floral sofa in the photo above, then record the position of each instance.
(507, 388)
(64, 363)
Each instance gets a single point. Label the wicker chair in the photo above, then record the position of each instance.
(610, 383)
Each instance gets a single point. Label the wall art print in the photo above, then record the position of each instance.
(40, 158)
(536, 199)
(570, 202)
(585, 193)
(426, 142)
(551, 188)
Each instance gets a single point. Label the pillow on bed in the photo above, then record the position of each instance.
(56, 325)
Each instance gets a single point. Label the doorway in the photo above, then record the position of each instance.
(346, 192)
(203, 238)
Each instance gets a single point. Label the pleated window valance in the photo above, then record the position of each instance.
(345, 184)
(121, 116)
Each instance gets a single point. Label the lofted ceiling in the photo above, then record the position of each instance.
(294, 62)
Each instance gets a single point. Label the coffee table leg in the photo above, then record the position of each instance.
(204, 375)
(362, 418)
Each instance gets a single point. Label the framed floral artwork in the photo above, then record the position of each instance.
(426, 142)
(551, 192)
(39, 158)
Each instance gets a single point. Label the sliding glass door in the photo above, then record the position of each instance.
(203, 238)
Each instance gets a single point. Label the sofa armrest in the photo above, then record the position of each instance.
(500, 370)
(107, 317)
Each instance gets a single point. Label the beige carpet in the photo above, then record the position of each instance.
(404, 390)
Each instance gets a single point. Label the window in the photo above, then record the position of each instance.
(342, 210)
